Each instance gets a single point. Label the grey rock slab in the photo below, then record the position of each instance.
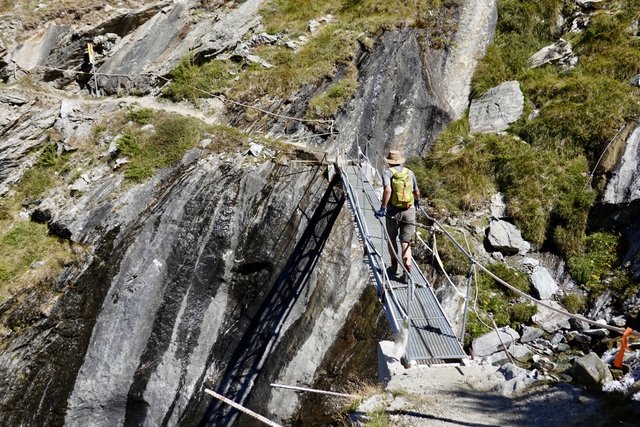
(7, 98)
(497, 108)
(591, 371)
(517, 351)
(35, 50)
(530, 333)
(505, 237)
(550, 320)
(552, 53)
(545, 285)
(624, 184)
(530, 263)
(490, 343)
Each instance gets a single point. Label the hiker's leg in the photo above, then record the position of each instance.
(406, 255)
(407, 231)
(392, 230)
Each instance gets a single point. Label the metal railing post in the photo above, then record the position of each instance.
(466, 302)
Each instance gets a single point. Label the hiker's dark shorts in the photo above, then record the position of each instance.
(403, 222)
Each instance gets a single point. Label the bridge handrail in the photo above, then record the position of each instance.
(382, 279)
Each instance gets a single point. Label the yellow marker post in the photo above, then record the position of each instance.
(90, 52)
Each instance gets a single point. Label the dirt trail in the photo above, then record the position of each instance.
(470, 396)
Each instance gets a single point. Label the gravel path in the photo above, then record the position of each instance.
(470, 396)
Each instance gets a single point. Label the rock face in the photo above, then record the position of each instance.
(624, 184)
(182, 292)
(422, 103)
(496, 109)
(505, 237)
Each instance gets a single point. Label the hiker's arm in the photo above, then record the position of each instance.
(386, 195)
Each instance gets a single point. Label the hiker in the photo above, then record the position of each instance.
(400, 200)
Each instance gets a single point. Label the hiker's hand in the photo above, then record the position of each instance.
(382, 212)
(417, 204)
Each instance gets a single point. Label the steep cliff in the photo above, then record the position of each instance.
(207, 275)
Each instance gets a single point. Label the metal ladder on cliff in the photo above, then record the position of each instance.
(431, 339)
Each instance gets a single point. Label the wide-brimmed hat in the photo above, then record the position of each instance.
(395, 158)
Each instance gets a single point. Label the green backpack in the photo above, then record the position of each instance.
(401, 188)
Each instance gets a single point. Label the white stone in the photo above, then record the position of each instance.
(543, 283)
(552, 53)
(505, 237)
(530, 263)
(498, 206)
(624, 184)
(497, 108)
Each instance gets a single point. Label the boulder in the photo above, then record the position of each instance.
(543, 283)
(517, 378)
(489, 343)
(575, 337)
(497, 108)
(635, 81)
(554, 53)
(505, 237)
(517, 351)
(591, 371)
(550, 320)
(530, 263)
(529, 333)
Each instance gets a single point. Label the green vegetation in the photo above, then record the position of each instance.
(575, 303)
(598, 267)
(45, 174)
(542, 164)
(494, 299)
(324, 106)
(22, 243)
(325, 61)
(191, 82)
(544, 192)
(165, 146)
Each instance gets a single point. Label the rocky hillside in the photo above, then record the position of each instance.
(161, 234)
(170, 218)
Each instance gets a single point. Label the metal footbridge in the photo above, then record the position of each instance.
(408, 303)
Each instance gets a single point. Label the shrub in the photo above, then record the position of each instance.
(22, 243)
(574, 302)
(191, 81)
(600, 258)
(326, 104)
(521, 313)
(45, 174)
(495, 299)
